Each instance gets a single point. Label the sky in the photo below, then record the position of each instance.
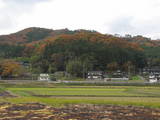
(135, 17)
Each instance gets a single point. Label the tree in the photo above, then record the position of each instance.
(10, 68)
(52, 68)
(128, 67)
(75, 68)
(112, 66)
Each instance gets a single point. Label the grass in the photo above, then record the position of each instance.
(57, 95)
(2, 89)
(133, 79)
(60, 101)
(68, 91)
(136, 78)
(84, 91)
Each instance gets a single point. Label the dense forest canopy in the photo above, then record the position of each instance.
(59, 50)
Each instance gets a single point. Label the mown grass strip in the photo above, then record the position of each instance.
(147, 102)
(99, 92)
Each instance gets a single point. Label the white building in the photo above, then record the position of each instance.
(95, 75)
(154, 78)
(44, 77)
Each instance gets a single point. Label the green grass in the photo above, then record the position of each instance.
(148, 96)
(69, 91)
(60, 101)
(2, 89)
(135, 78)
(84, 91)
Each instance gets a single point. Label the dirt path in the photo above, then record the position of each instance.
(36, 111)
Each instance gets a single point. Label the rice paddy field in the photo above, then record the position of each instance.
(60, 95)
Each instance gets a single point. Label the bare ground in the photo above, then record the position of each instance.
(36, 111)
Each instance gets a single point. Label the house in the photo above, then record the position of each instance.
(95, 75)
(154, 70)
(117, 75)
(154, 78)
(44, 77)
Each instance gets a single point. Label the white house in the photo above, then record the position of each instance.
(95, 75)
(44, 77)
(154, 78)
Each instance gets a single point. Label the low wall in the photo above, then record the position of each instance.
(110, 79)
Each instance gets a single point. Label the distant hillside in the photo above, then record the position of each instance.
(150, 47)
(143, 41)
(34, 41)
(34, 34)
(55, 50)
(30, 35)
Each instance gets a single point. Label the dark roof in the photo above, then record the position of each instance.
(95, 71)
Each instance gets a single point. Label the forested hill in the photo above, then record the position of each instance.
(24, 42)
(25, 36)
(34, 34)
(37, 34)
(143, 41)
(52, 50)
(151, 48)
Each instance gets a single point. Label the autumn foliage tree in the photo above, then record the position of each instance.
(10, 68)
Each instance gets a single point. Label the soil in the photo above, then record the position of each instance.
(36, 111)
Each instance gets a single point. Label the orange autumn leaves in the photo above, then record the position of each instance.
(37, 47)
(91, 37)
(10, 68)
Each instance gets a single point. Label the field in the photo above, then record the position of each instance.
(36, 111)
(49, 101)
(60, 95)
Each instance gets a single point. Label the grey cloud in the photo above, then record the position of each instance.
(13, 10)
(6, 23)
(130, 25)
(151, 28)
(16, 13)
(25, 2)
(122, 24)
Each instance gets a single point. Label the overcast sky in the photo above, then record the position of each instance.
(135, 17)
